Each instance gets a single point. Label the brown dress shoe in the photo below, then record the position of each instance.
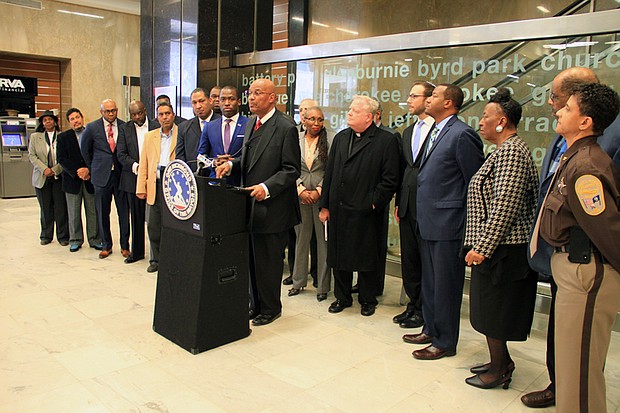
(539, 399)
(105, 253)
(432, 353)
(125, 253)
(419, 338)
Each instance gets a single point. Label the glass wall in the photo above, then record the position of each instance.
(526, 68)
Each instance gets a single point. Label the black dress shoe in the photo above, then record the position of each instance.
(132, 259)
(503, 380)
(294, 291)
(355, 289)
(368, 309)
(402, 316)
(153, 267)
(539, 399)
(321, 297)
(263, 319)
(315, 283)
(252, 314)
(63, 242)
(288, 281)
(337, 306)
(414, 321)
(45, 241)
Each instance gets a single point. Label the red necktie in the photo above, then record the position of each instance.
(258, 124)
(111, 137)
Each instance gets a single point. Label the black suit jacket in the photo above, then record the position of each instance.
(97, 153)
(271, 155)
(70, 158)
(128, 152)
(406, 196)
(188, 140)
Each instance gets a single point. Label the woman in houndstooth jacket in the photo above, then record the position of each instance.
(501, 203)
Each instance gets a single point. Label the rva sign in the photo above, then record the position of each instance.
(16, 84)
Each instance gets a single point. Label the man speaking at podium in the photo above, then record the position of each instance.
(157, 152)
(270, 165)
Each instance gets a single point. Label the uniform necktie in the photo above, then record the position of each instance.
(417, 133)
(227, 135)
(431, 141)
(111, 137)
(258, 124)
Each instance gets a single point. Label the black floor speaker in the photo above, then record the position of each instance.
(202, 290)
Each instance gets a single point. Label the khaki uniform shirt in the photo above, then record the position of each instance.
(585, 192)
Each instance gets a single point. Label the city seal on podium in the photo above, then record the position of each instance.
(180, 190)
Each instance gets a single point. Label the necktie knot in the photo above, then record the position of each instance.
(258, 124)
(111, 141)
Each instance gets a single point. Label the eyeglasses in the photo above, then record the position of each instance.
(255, 93)
(554, 98)
(413, 96)
(110, 110)
(315, 120)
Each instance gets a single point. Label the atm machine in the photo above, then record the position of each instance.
(15, 167)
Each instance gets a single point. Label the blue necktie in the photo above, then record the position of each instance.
(417, 133)
(431, 140)
(558, 156)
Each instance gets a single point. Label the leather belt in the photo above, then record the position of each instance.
(566, 248)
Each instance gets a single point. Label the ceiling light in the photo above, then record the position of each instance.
(92, 16)
(347, 31)
(319, 24)
(513, 76)
(543, 9)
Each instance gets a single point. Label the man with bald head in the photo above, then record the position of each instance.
(562, 87)
(98, 147)
(130, 143)
(270, 165)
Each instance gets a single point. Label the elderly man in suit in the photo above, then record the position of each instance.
(130, 144)
(452, 155)
(157, 152)
(270, 165)
(76, 184)
(360, 179)
(191, 130)
(414, 138)
(99, 151)
(224, 136)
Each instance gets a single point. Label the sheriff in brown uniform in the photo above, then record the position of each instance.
(581, 219)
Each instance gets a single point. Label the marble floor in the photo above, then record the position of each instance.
(76, 336)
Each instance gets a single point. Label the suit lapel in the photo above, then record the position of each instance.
(444, 131)
(407, 138)
(366, 140)
(267, 133)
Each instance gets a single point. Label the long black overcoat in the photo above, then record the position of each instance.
(351, 186)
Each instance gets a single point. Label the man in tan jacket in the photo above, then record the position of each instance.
(157, 152)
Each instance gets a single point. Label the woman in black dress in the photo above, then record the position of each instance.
(501, 203)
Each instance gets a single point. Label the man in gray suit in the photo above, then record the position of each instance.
(453, 154)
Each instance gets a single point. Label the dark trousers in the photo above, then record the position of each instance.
(103, 201)
(53, 210)
(443, 275)
(366, 281)
(551, 337)
(137, 207)
(154, 225)
(291, 246)
(383, 237)
(411, 263)
(266, 266)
